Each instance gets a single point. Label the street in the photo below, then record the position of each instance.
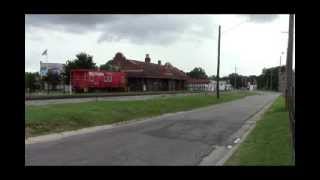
(177, 139)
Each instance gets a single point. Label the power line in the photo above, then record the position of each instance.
(233, 27)
(237, 25)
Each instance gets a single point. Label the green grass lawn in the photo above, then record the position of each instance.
(61, 117)
(269, 142)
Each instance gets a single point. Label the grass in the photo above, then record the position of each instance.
(269, 142)
(62, 117)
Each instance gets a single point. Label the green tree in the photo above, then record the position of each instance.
(198, 72)
(83, 61)
(32, 81)
(53, 79)
(266, 78)
(235, 80)
(108, 67)
(213, 77)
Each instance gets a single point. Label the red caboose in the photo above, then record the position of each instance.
(86, 79)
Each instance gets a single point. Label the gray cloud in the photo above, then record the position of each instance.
(139, 29)
(262, 18)
(71, 23)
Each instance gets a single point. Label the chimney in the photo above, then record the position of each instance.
(159, 62)
(147, 59)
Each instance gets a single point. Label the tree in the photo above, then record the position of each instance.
(32, 81)
(53, 79)
(235, 78)
(83, 61)
(108, 67)
(198, 73)
(265, 79)
(225, 78)
(213, 77)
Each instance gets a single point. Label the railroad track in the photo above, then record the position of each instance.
(73, 96)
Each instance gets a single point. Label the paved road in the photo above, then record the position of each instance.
(178, 139)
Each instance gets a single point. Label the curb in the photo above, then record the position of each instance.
(248, 126)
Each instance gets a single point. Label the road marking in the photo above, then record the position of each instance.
(218, 158)
(236, 141)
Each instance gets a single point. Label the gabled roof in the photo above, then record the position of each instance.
(135, 68)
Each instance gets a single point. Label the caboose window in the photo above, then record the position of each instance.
(108, 78)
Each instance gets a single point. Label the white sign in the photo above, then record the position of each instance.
(96, 74)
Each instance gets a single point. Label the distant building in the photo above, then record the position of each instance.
(53, 67)
(252, 87)
(207, 85)
(148, 76)
(223, 85)
(198, 84)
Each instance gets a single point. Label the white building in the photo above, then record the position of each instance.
(223, 86)
(207, 85)
(252, 87)
(197, 84)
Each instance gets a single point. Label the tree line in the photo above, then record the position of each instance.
(268, 80)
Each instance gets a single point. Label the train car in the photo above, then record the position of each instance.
(84, 80)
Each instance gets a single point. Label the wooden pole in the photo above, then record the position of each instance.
(218, 67)
(289, 81)
(271, 80)
(70, 87)
(235, 77)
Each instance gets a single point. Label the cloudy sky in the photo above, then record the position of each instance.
(251, 42)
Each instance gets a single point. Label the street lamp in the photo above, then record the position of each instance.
(280, 57)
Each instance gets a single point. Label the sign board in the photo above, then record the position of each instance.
(50, 67)
(96, 74)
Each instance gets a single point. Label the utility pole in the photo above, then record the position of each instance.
(289, 87)
(218, 68)
(70, 87)
(281, 57)
(271, 79)
(267, 83)
(235, 77)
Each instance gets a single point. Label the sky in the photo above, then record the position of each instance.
(249, 42)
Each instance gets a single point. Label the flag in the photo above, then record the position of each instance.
(45, 52)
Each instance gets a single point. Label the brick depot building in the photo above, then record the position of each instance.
(147, 76)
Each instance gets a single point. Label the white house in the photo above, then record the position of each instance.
(207, 85)
(197, 84)
(252, 87)
(223, 86)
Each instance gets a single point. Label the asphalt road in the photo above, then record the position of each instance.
(177, 139)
